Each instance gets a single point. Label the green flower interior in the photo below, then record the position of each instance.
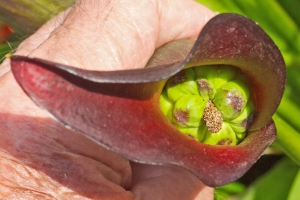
(209, 103)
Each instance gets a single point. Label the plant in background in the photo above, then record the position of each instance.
(25, 16)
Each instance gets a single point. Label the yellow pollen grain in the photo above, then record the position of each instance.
(212, 117)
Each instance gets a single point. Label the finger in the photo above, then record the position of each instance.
(167, 182)
(42, 34)
(180, 20)
(46, 159)
(112, 34)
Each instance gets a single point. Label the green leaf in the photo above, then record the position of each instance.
(292, 8)
(228, 190)
(275, 184)
(293, 84)
(288, 110)
(288, 139)
(295, 189)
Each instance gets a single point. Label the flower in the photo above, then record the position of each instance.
(209, 103)
(121, 110)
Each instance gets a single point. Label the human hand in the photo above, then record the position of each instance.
(41, 159)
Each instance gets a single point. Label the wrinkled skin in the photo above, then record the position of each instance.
(40, 159)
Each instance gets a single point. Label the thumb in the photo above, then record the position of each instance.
(113, 34)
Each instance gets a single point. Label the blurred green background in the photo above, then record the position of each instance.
(276, 176)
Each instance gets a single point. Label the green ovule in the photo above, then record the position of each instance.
(209, 103)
